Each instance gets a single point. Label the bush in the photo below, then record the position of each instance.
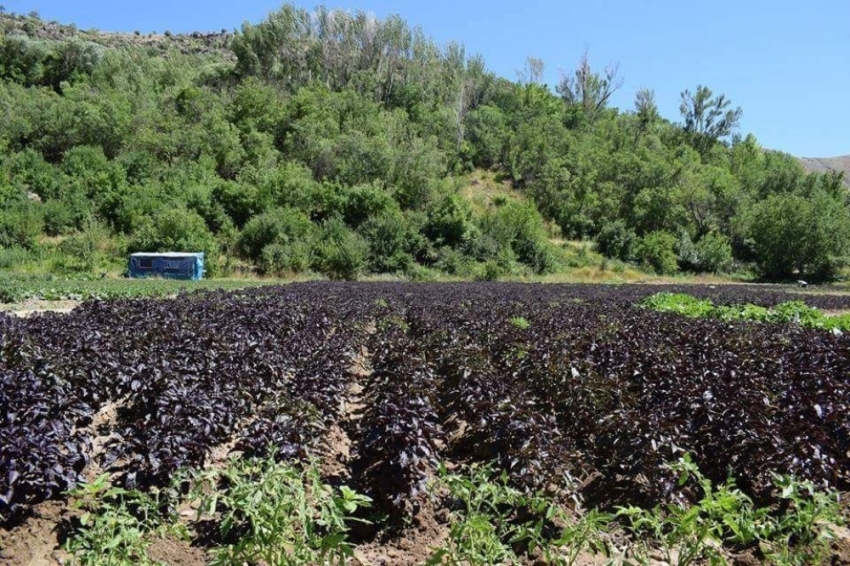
(519, 227)
(616, 240)
(12, 257)
(391, 241)
(279, 259)
(21, 225)
(278, 226)
(714, 253)
(450, 221)
(338, 252)
(792, 234)
(80, 251)
(452, 261)
(657, 250)
(366, 201)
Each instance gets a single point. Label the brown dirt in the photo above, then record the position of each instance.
(840, 547)
(35, 306)
(36, 542)
(104, 419)
(176, 553)
(428, 531)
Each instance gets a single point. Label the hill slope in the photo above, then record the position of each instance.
(840, 164)
(336, 143)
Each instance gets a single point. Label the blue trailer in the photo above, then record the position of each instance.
(170, 265)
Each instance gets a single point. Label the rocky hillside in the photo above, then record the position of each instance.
(196, 43)
(827, 164)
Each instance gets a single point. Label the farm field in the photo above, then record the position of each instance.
(405, 423)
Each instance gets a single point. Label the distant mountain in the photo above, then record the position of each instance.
(827, 164)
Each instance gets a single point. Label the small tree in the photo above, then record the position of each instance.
(338, 252)
(793, 235)
(657, 250)
(588, 89)
(708, 118)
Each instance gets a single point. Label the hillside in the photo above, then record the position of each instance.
(830, 164)
(214, 44)
(329, 142)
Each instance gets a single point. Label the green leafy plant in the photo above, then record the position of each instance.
(796, 533)
(117, 524)
(801, 532)
(794, 312)
(520, 322)
(283, 515)
(494, 523)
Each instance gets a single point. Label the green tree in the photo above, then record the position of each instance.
(338, 252)
(657, 250)
(176, 230)
(589, 90)
(708, 118)
(796, 236)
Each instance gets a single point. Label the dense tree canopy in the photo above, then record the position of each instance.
(335, 142)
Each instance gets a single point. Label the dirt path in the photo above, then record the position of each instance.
(34, 306)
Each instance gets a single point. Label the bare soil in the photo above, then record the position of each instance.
(34, 306)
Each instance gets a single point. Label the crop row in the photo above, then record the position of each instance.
(566, 388)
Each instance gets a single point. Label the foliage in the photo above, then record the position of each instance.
(283, 515)
(338, 252)
(707, 118)
(657, 251)
(794, 312)
(279, 226)
(81, 287)
(616, 240)
(691, 532)
(338, 114)
(176, 230)
(490, 521)
(792, 234)
(117, 524)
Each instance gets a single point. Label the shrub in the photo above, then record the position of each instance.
(176, 230)
(21, 225)
(338, 252)
(714, 253)
(11, 257)
(616, 240)
(391, 242)
(279, 259)
(519, 226)
(81, 251)
(657, 250)
(366, 201)
(450, 221)
(278, 226)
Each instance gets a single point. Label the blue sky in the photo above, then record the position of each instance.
(785, 62)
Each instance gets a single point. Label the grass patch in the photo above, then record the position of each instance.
(18, 288)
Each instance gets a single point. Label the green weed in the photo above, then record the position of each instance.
(283, 515)
(494, 523)
(520, 322)
(118, 525)
(796, 533)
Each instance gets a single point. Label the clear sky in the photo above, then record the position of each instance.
(785, 62)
